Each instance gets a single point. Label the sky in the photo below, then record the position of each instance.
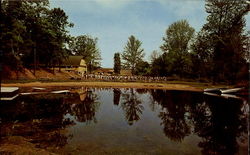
(113, 21)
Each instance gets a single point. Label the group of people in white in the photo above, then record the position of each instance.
(123, 78)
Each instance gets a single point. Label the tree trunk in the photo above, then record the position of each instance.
(35, 60)
(59, 67)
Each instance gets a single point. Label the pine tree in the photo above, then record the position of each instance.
(117, 63)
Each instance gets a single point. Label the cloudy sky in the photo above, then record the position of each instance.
(113, 21)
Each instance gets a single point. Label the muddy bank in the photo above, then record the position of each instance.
(167, 86)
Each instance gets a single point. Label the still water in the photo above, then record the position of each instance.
(128, 121)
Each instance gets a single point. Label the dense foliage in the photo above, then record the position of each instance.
(86, 46)
(175, 48)
(222, 42)
(32, 33)
(219, 52)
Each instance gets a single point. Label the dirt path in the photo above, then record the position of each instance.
(109, 85)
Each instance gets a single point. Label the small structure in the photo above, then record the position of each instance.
(110, 71)
(126, 72)
(76, 64)
(104, 71)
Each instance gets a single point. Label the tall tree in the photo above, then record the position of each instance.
(86, 46)
(201, 56)
(117, 63)
(58, 23)
(224, 33)
(33, 33)
(176, 41)
(132, 54)
(177, 37)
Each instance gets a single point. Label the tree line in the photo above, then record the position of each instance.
(219, 52)
(34, 35)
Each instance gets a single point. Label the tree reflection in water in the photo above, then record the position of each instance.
(218, 121)
(223, 126)
(39, 118)
(175, 124)
(117, 95)
(132, 106)
(85, 110)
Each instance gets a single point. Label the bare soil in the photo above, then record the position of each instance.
(109, 85)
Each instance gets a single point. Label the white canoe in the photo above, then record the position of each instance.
(8, 89)
(213, 90)
(211, 94)
(234, 90)
(60, 91)
(38, 88)
(231, 96)
(8, 93)
(33, 93)
(8, 98)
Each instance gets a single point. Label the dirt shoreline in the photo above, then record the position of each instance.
(167, 86)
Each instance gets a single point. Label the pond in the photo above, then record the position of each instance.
(128, 121)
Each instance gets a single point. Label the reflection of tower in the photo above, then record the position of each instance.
(82, 93)
(117, 95)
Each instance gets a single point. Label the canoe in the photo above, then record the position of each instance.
(213, 90)
(60, 91)
(211, 94)
(8, 98)
(228, 91)
(8, 93)
(38, 88)
(231, 96)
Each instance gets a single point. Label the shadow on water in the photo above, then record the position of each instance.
(38, 118)
(84, 110)
(174, 113)
(220, 123)
(41, 118)
(117, 96)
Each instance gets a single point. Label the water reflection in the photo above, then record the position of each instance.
(117, 95)
(132, 106)
(174, 110)
(220, 123)
(85, 109)
(40, 118)
(222, 127)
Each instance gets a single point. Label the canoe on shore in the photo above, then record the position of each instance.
(228, 91)
(214, 90)
(8, 93)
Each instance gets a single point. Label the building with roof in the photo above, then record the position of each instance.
(76, 64)
(104, 71)
(110, 71)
